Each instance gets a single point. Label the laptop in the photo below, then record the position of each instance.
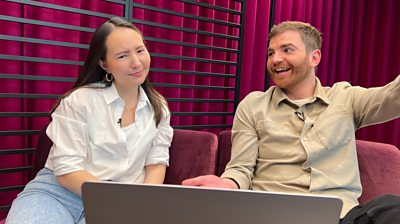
(110, 202)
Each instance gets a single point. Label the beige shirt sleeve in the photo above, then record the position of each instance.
(244, 144)
(376, 105)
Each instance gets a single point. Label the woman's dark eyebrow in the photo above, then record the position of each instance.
(122, 52)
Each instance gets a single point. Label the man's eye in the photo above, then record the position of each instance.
(140, 51)
(287, 50)
(270, 54)
(122, 56)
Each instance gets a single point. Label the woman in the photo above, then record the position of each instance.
(112, 125)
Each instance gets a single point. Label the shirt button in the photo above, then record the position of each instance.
(126, 164)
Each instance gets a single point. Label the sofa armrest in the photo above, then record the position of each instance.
(224, 150)
(379, 165)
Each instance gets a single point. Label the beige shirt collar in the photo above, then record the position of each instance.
(319, 93)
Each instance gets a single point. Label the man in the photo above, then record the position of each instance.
(299, 137)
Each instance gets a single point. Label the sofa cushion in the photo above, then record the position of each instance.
(192, 153)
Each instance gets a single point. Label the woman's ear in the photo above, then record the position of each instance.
(103, 65)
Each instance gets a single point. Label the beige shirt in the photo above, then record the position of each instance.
(311, 151)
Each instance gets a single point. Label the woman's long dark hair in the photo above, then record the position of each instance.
(93, 73)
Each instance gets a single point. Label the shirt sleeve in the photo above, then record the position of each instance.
(67, 131)
(159, 152)
(376, 105)
(244, 146)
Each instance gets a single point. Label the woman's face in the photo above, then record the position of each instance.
(127, 58)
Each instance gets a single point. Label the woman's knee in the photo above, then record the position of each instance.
(38, 208)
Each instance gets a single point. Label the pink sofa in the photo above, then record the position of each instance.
(379, 166)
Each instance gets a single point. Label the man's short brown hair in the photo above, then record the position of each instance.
(311, 36)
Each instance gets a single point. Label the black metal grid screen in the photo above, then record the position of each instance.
(29, 107)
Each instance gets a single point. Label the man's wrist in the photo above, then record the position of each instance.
(232, 183)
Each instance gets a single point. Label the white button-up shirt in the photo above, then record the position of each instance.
(87, 136)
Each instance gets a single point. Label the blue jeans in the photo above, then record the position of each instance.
(43, 200)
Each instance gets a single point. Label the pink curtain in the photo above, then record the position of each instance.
(255, 45)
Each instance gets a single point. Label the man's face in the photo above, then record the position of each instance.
(289, 64)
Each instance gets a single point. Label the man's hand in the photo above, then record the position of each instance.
(210, 181)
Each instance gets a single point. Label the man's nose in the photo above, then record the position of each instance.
(276, 58)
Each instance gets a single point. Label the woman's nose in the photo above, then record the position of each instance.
(135, 60)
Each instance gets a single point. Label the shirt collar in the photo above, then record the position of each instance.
(320, 93)
(143, 99)
(279, 95)
(111, 95)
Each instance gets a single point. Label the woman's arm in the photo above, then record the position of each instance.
(158, 158)
(68, 132)
(73, 181)
(154, 174)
